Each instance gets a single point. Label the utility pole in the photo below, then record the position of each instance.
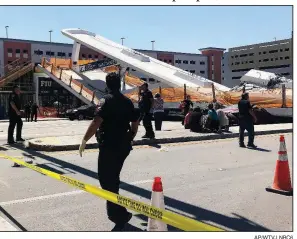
(123, 38)
(6, 28)
(50, 32)
(153, 44)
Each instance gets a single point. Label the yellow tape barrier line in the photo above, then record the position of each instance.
(170, 218)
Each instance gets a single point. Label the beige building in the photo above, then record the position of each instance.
(275, 57)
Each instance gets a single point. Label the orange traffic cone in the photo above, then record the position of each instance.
(157, 200)
(282, 180)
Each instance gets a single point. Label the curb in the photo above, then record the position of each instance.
(38, 120)
(51, 148)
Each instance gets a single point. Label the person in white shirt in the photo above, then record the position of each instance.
(158, 111)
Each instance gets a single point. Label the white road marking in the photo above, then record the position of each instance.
(44, 197)
(5, 226)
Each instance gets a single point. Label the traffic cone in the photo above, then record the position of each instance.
(157, 200)
(282, 180)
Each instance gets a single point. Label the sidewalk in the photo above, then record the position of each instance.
(171, 136)
(38, 119)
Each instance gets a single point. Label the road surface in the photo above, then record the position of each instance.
(215, 181)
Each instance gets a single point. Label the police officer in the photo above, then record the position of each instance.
(34, 112)
(145, 104)
(246, 118)
(28, 111)
(15, 116)
(114, 135)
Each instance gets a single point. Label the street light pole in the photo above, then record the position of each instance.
(6, 28)
(123, 38)
(50, 32)
(153, 45)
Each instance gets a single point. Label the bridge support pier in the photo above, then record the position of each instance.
(75, 56)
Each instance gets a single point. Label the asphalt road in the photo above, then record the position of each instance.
(215, 181)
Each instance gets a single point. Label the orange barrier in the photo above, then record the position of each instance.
(47, 112)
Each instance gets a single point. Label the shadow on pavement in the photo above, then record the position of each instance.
(201, 214)
(12, 219)
(260, 149)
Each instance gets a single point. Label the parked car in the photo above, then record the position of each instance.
(81, 113)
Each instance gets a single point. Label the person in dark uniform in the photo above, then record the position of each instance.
(145, 104)
(34, 112)
(115, 136)
(246, 121)
(15, 116)
(185, 107)
(195, 120)
(28, 111)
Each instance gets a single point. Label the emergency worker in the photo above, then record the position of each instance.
(115, 136)
(28, 111)
(15, 116)
(146, 104)
(246, 121)
(34, 112)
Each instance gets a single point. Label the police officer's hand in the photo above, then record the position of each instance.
(82, 147)
(18, 112)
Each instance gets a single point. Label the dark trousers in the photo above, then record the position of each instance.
(15, 121)
(34, 115)
(147, 123)
(248, 125)
(27, 115)
(110, 163)
(158, 116)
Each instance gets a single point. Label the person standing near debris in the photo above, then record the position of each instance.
(146, 103)
(28, 111)
(247, 118)
(15, 116)
(185, 106)
(115, 136)
(34, 112)
(158, 111)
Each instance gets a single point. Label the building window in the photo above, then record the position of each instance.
(192, 71)
(236, 77)
(90, 56)
(202, 63)
(25, 51)
(202, 72)
(264, 52)
(52, 53)
(259, 53)
(223, 64)
(276, 59)
(133, 70)
(273, 51)
(232, 56)
(9, 50)
(48, 53)
(271, 59)
(251, 54)
(165, 60)
(287, 49)
(236, 56)
(18, 51)
(151, 80)
(96, 56)
(251, 62)
(223, 71)
(222, 78)
(237, 63)
(185, 62)
(287, 58)
(178, 61)
(265, 60)
(69, 54)
(243, 55)
(281, 50)
(260, 60)
(212, 63)
(192, 62)
(83, 55)
(61, 54)
(38, 52)
(281, 58)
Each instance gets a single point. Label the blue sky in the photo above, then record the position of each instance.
(183, 29)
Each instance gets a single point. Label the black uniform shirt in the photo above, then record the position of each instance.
(34, 108)
(145, 103)
(117, 111)
(244, 106)
(17, 101)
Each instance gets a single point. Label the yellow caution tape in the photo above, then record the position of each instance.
(170, 218)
